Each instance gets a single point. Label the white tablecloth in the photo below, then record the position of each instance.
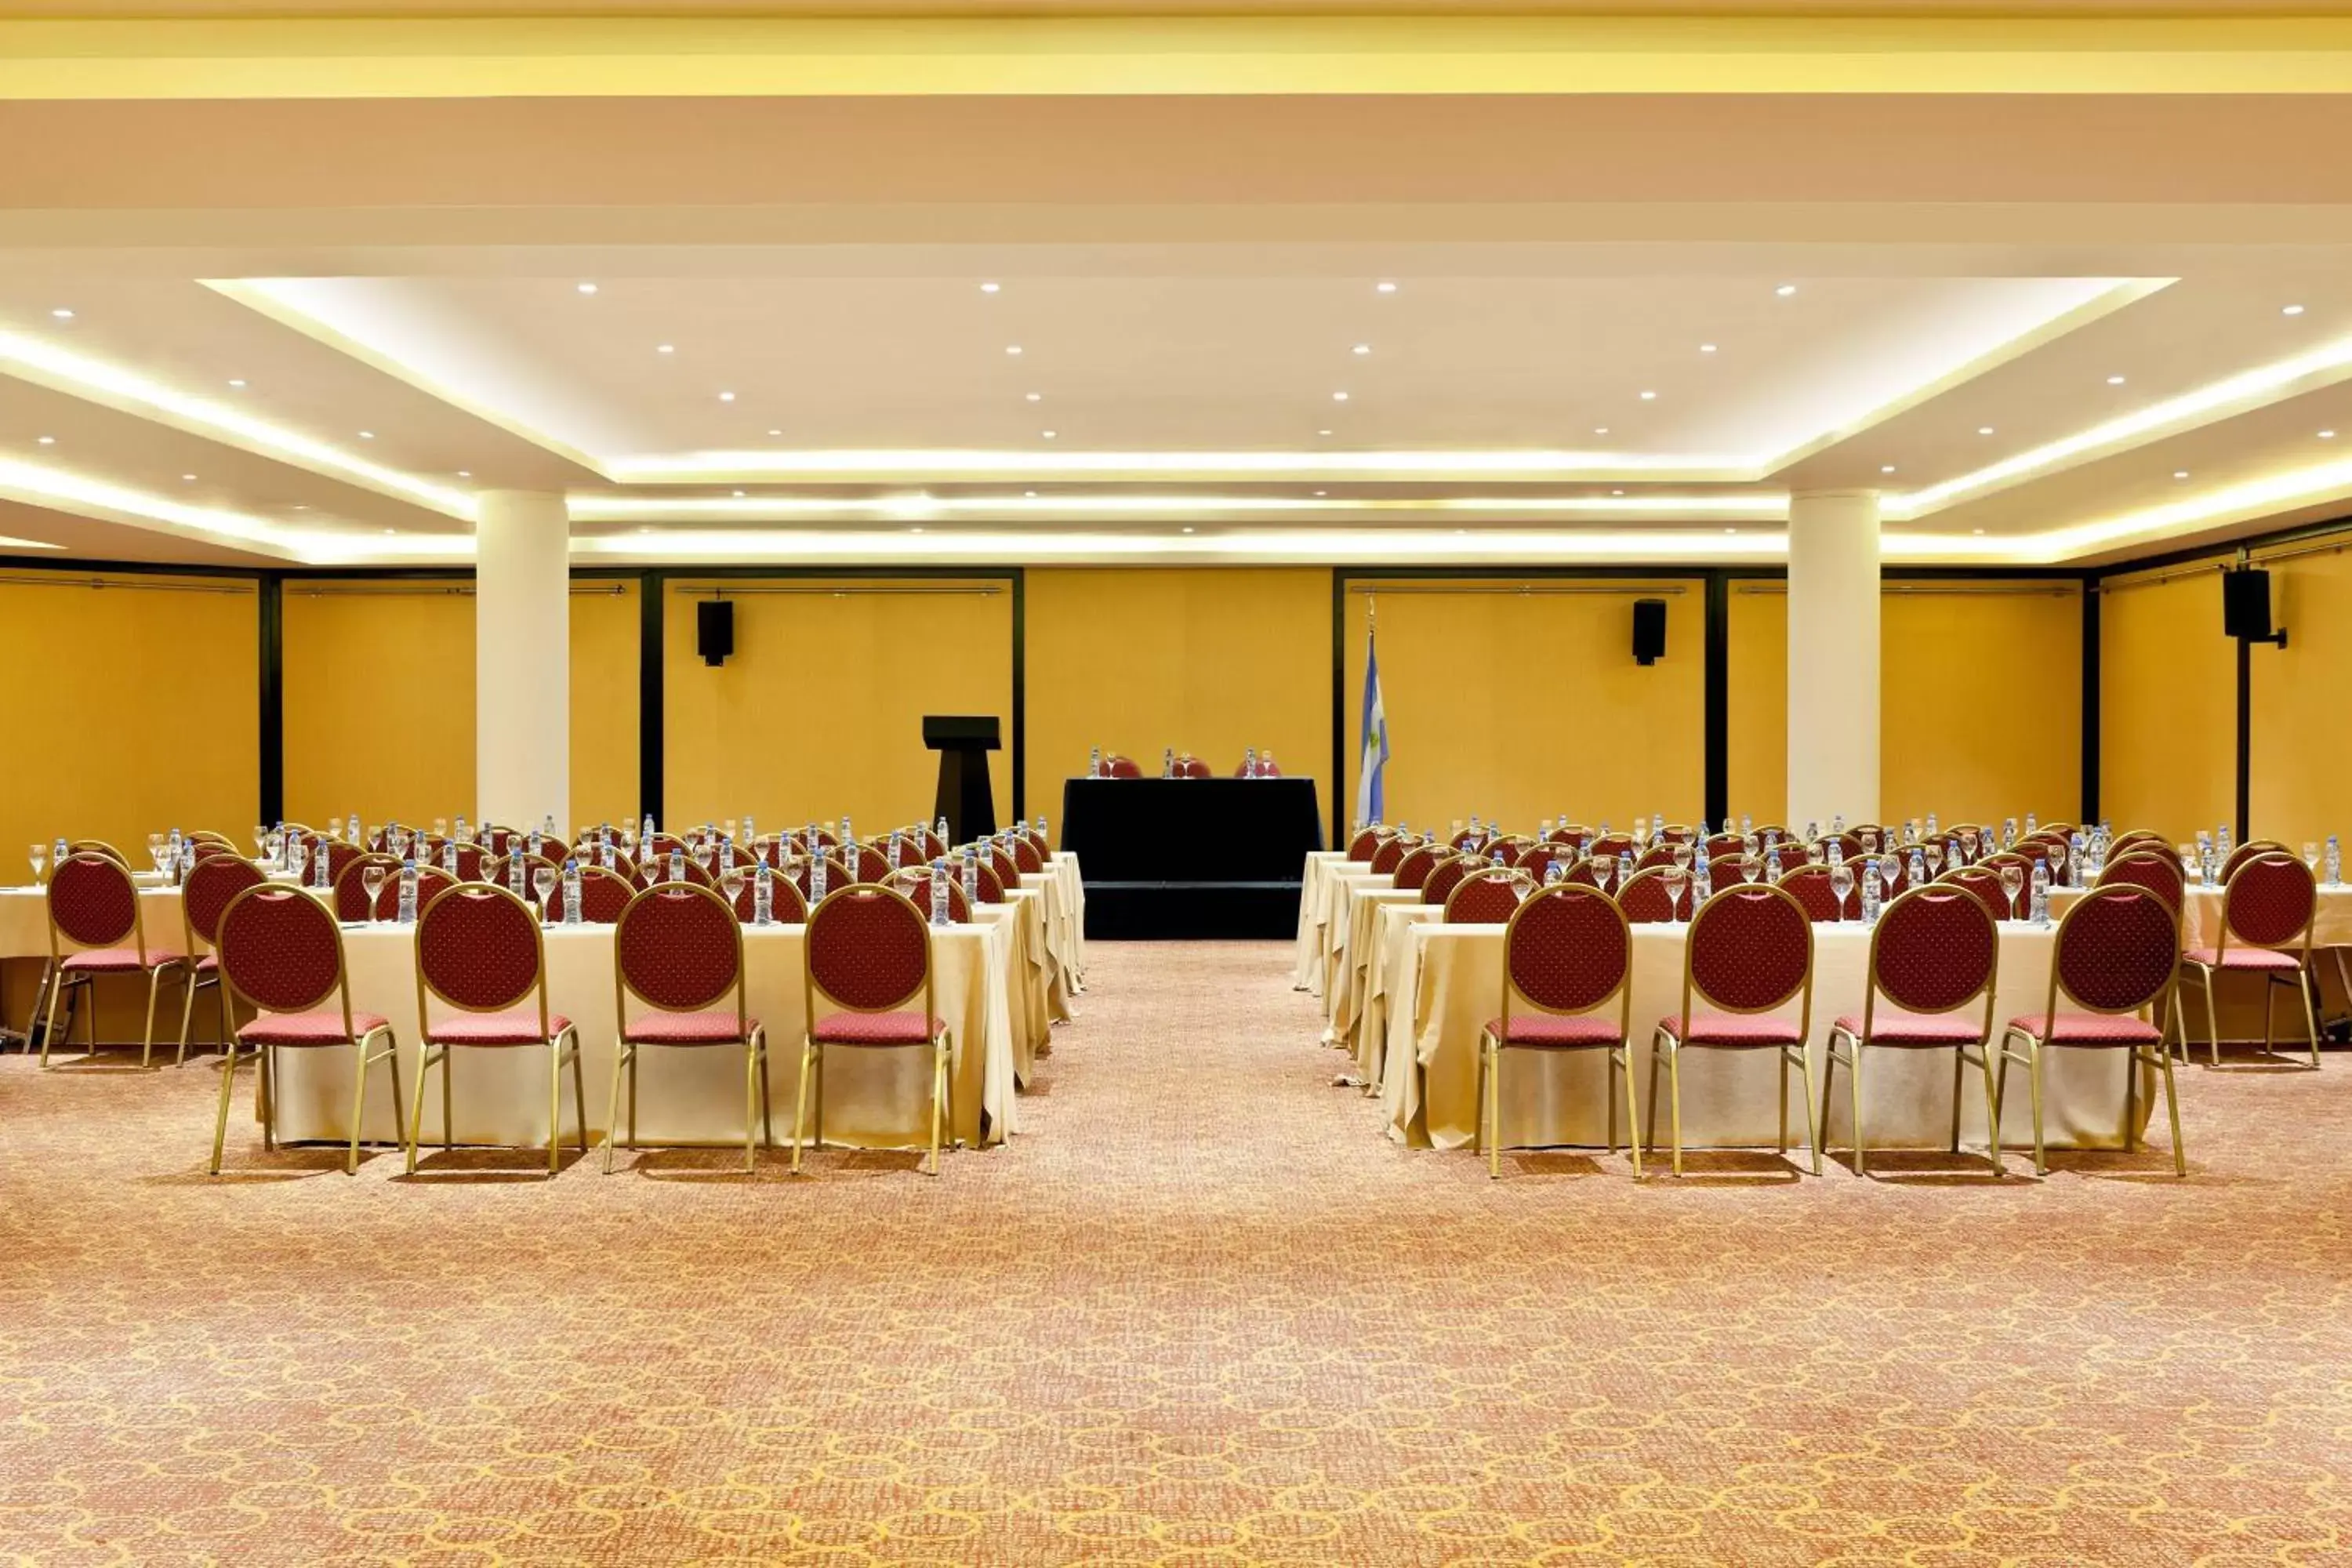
(2200, 915)
(1448, 983)
(1308, 972)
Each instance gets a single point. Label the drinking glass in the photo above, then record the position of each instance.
(297, 853)
(543, 879)
(731, 827)
(1934, 852)
(440, 827)
(1870, 841)
(2012, 883)
(2311, 855)
(1968, 842)
(1842, 884)
(2057, 864)
(1681, 858)
(1675, 877)
(398, 841)
(261, 841)
(1749, 844)
(1602, 868)
(2192, 865)
(1751, 863)
(702, 856)
(730, 882)
(371, 878)
(1890, 871)
(40, 858)
(334, 828)
(1815, 853)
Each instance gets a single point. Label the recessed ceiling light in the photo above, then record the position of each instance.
(775, 432)
(1459, 532)
(1188, 531)
(587, 288)
(190, 478)
(1322, 432)
(990, 288)
(1363, 348)
(46, 440)
(62, 314)
(1785, 289)
(1886, 468)
(2328, 435)
(1013, 348)
(2180, 473)
(1047, 434)
(665, 348)
(1616, 492)
(299, 506)
(1338, 397)
(1975, 531)
(2115, 381)
(1707, 348)
(1649, 397)
(726, 397)
(1731, 530)
(1031, 494)
(367, 435)
(2290, 309)
(1322, 492)
(1384, 288)
(645, 531)
(1601, 430)
(236, 382)
(917, 529)
(1035, 396)
(465, 473)
(739, 495)
(391, 530)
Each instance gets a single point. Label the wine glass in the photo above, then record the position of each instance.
(730, 882)
(1683, 858)
(731, 827)
(1934, 852)
(1751, 863)
(1842, 884)
(39, 855)
(297, 852)
(1601, 868)
(440, 827)
(2192, 865)
(2057, 863)
(372, 879)
(702, 856)
(1870, 841)
(334, 828)
(1890, 871)
(397, 840)
(543, 879)
(1815, 852)
(2311, 856)
(155, 843)
(1674, 878)
(1969, 843)
(1750, 845)
(2012, 883)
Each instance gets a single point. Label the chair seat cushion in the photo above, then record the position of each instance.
(1916, 1029)
(117, 961)
(875, 1029)
(2089, 1030)
(516, 1027)
(1738, 1030)
(208, 964)
(688, 1029)
(1544, 1031)
(324, 1027)
(2243, 958)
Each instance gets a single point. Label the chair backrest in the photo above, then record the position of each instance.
(2156, 869)
(1580, 873)
(212, 882)
(1445, 876)
(1536, 859)
(2268, 902)
(99, 846)
(1719, 844)
(678, 949)
(1934, 950)
(786, 905)
(1751, 949)
(1810, 886)
(836, 876)
(2117, 951)
(992, 886)
(1848, 843)
(868, 949)
(1122, 768)
(1643, 897)
(1414, 868)
(351, 893)
(1656, 855)
(1566, 949)
(1364, 844)
(207, 849)
(478, 949)
(1267, 768)
(92, 902)
(1983, 879)
(1025, 856)
(1679, 833)
(1610, 844)
(2247, 851)
(603, 896)
(910, 851)
(914, 884)
(1188, 766)
(2129, 843)
(1486, 897)
(866, 864)
(996, 856)
(1569, 833)
(281, 952)
(1389, 855)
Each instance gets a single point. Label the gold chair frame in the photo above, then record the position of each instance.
(941, 1043)
(1491, 1050)
(758, 1129)
(2304, 981)
(55, 982)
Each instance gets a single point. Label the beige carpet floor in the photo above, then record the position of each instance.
(1200, 1312)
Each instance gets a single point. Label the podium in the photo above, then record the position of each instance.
(963, 742)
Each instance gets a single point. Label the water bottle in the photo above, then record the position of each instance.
(517, 879)
(2041, 915)
(2074, 856)
(1658, 827)
(817, 878)
(898, 841)
(1167, 762)
(1249, 763)
(2009, 833)
(448, 858)
(175, 848)
(1498, 862)
(465, 833)
(187, 860)
(645, 831)
(939, 892)
(1772, 865)
(1553, 872)
(1042, 839)
(763, 895)
(358, 833)
(939, 829)
(1702, 877)
(1772, 841)
(1624, 866)
(2222, 842)
(1837, 852)
(538, 844)
(848, 839)
(1917, 876)
(547, 827)
(2032, 823)
(751, 833)
(1870, 891)
(1837, 822)
(1094, 763)
(318, 869)
(677, 864)
(971, 876)
(605, 851)
(571, 890)
(1747, 824)
(408, 892)
(1932, 831)
(57, 853)
(2334, 863)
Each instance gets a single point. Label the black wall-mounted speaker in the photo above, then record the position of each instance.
(2246, 603)
(1649, 630)
(714, 630)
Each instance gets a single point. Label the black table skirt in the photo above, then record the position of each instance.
(1190, 857)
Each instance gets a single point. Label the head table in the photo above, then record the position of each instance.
(1000, 983)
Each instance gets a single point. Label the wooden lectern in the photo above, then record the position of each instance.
(963, 742)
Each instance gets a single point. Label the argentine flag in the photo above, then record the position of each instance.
(1374, 755)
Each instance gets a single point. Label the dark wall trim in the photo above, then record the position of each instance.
(271, 618)
(2091, 693)
(652, 593)
(1717, 725)
(1020, 694)
(2245, 770)
(1338, 807)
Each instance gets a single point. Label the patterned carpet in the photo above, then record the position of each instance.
(1201, 1313)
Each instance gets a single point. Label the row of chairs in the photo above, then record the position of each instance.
(1186, 766)
(678, 982)
(1935, 955)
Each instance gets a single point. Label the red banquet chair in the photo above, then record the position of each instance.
(1657, 854)
(867, 864)
(603, 896)
(801, 876)
(909, 850)
(1414, 868)
(677, 949)
(2157, 870)
(212, 882)
(1366, 843)
(2116, 958)
(1934, 953)
(1567, 953)
(786, 905)
(1121, 768)
(281, 954)
(1484, 898)
(1749, 951)
(2247, 851)
(2267, 907)
(1445, 876)
(1185, 765)
(913, 883)
(1025, 857)
(1983, 879)
(1810, 886)
(997, 857)
(1390, 856)
(98, 930)
(1720, 845)
(868, 957)
(1643, 897)
(1610, 845)
(1536, 859)
(480, 950)
(351, 905)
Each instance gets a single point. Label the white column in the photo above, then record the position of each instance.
(1832, 658)
(522, 659)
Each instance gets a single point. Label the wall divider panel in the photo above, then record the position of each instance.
(2167, 702)
(378, 688)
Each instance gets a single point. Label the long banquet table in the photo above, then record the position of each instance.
(1003, 981)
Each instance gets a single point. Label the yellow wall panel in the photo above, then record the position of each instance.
(1980, 701)
(819, 710)
(1755, 765)
(2301, 774)
(145, 717)
(1520, 706)
(604, 659)
(379, 694)
(2168, 706)
(1210, 661)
